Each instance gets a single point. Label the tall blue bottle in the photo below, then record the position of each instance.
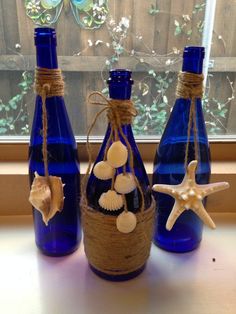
(63, 233)
(169, 168)
(120, 85)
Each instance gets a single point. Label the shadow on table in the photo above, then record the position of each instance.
(68, 286)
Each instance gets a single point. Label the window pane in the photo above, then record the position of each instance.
(145, 36)
(221, 113)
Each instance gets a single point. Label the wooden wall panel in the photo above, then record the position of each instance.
(157, 32)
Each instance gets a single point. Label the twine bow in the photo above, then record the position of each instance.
(190, 87)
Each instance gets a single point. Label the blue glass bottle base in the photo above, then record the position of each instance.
(179, 243)
(118, 277)
(176, 247)
(62, 247)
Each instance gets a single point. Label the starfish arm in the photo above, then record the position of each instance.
(205, 217)
(211, 188)
(191, 170)
(165, 188)
(176, 211)
(190, 173)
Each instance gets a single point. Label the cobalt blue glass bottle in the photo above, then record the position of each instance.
(120, 85)
(169, 166)
(63, 234)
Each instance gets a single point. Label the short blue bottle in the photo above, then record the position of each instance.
(169, 166)
(120, 86)
(63, 234)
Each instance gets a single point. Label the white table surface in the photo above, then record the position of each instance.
(188, 283)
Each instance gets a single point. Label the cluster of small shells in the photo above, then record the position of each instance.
(47, 197)
(117, 156)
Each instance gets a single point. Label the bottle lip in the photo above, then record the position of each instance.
(120, 76)
(194, 51)
(45, 36)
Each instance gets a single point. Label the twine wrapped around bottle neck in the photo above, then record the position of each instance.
(119, 112)
(48, 83)
(190, 86)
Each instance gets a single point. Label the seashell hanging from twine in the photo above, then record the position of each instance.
(47, 197)
(103, 171)
(110, 200)
(57, 200)
(125, 183)
(117, 154)
(126, 222)
(40, 195)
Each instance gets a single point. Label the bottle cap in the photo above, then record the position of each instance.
(45, 36)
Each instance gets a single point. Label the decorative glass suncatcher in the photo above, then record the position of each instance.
(89, 14)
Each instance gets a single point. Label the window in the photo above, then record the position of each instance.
(146, 36)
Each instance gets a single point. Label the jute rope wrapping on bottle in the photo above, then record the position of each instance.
(46, 193)
(190, 87)
(107, 249)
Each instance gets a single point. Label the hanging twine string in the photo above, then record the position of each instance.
(48, 83)
(190, 86)
(119, 112)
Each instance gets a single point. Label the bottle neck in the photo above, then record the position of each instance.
(192, 64)
(46, 56)
(120, 91)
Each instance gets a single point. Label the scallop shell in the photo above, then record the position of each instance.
(126, 222)
(117, 154)
(103, 171)
(110, 200)
(47, 197)
(125, 183)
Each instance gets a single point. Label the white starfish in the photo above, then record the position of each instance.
(189, 195)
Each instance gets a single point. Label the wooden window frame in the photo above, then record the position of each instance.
(14, 170)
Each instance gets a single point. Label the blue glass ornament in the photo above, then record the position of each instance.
(169, 165)
(62, 235)
(120, 84)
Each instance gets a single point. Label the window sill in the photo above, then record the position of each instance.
(15, 186)
(171, 283)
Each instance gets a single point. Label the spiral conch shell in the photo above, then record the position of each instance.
(103, 171)
(117, 154)
(110, 200)
(47, 197)
(126, 222)
(125, 183)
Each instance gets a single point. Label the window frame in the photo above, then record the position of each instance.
(14, 150)
(223, 148)
(14, 179)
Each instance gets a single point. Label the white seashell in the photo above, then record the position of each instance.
(103, 171)
(47, 197)
(125, 183)
(126, 222)
(57, 200)
(40, 195)
(117, 154)
(110, 200)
